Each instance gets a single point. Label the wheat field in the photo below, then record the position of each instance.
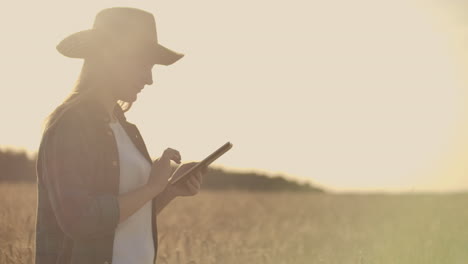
(247, 227)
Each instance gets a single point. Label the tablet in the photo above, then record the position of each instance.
(204, 163)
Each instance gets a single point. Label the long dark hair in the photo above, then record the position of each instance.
(84, 88)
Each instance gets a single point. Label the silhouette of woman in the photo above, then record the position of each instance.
(99, 192)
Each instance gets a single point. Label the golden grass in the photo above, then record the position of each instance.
(243, 227)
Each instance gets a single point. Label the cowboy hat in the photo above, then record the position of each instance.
(124, 28)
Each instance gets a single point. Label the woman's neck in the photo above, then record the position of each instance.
(108, 102)
(101, 87)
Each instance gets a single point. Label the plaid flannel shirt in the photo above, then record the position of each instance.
(78, 186)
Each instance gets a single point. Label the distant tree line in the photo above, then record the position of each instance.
(223, 180)
(18, 166)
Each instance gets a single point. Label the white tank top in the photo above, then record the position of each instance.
(133, 241)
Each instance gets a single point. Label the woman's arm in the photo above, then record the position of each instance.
(161, 169)
(163, 199)
(80, 213)
(131, 201)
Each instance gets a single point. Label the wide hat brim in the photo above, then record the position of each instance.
(87, 43)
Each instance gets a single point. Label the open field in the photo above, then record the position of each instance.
(242, 227)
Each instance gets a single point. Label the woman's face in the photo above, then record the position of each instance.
(129, 74)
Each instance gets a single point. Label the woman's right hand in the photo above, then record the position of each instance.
(161, 170)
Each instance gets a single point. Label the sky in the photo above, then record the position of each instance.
(364, 95)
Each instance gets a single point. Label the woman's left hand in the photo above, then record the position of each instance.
(191, 184)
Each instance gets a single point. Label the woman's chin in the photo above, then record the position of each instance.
(129, 98)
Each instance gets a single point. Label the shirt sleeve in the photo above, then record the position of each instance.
(66, 166)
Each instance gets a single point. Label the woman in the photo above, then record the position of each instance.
(99, 192)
